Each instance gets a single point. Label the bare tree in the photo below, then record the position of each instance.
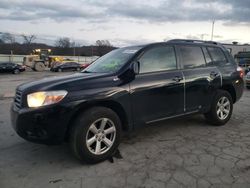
(103, 43)
(28, 39)
(63, 42)
(8, 38)
(103, 47)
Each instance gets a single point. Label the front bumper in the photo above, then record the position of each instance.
(45, 125)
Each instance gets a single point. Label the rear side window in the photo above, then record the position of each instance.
(217, 55)
(158, 59)
(191, 57)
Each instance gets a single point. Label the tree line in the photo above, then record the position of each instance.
(62, 46)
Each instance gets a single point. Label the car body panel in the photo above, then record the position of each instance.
(156, 91)
(199, 82)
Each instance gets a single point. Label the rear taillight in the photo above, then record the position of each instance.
(241, 71)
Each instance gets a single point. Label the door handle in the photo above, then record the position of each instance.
(177, 79)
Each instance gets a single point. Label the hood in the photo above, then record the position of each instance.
(53, 81)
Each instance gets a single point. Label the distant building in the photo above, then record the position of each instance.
(236, 48)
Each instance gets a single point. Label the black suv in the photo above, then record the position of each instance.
(125, 89)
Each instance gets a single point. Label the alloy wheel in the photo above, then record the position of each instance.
(223, 108)
(100, 136)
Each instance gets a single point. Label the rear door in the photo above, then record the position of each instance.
(66, 66)
(74, 66)
(157, 91)
(201, 81)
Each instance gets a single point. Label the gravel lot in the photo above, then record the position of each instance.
(183, 152)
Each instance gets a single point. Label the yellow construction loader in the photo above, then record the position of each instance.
(39, 59)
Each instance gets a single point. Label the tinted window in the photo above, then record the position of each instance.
(217, 55)
(191, 57)
(158, 59)
(207, 56)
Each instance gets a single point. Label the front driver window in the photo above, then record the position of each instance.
(158, 59)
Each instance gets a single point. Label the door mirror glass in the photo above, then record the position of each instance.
(136, 67)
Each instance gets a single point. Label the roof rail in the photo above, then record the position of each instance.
(193, 41)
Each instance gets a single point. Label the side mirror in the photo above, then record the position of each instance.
(130, 73)
(136, 67)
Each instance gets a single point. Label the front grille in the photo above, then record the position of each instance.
(18, 99)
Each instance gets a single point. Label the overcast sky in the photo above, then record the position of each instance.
(127, 22)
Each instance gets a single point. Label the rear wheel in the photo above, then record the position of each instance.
(60, 70)
(95, 135)
(221, 108)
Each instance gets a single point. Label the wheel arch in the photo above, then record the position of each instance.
(113, 105)
(230, 89)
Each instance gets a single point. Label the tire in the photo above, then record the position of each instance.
(88, 126)
(220, 114)
(78, 69)
(16, 71)
(39, 66)
(248, 87)
(60, 70)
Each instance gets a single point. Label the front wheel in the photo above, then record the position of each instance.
(95, 135)
(39, 66)
(221, 108)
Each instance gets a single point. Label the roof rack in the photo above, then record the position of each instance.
(193, 41)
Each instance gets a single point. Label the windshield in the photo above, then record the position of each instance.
(112, 61)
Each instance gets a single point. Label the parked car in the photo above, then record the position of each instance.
(243, 60)
(126, 89)
(248, 80)
(69, 66)
(11, 68)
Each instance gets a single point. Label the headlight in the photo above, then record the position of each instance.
(43, 98)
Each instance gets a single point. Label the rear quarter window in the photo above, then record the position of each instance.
(218, 56)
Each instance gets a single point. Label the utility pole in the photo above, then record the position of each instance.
(212, 35)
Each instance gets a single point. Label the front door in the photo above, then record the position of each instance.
(158, 90)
